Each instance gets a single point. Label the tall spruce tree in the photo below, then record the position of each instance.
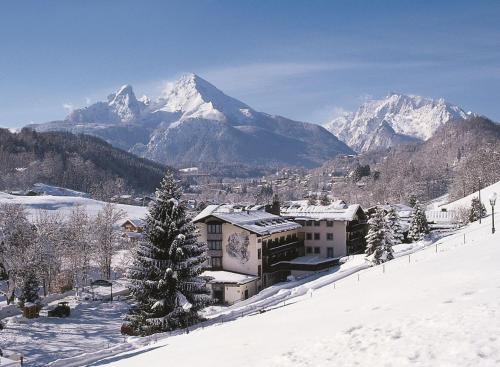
(376, 245)
(394, 232)
(419, 226)
(165, 275)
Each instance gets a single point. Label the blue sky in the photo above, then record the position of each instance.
(307, 60)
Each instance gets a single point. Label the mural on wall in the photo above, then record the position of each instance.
(237, 246)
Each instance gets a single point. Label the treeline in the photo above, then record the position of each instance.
(78, 162)
(56, 251)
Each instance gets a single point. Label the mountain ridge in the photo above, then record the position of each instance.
(193, 121)
(410, 117)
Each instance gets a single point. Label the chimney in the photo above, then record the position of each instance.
(274, 208)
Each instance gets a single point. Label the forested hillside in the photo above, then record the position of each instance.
(78, 162)
(457, 159)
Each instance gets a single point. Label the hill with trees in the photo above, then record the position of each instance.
(79, 162)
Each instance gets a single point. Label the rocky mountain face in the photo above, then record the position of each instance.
(194, 122)
(394, 120)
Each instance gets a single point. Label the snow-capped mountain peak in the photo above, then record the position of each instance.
(194, 97)
(410, 117)
(125, 104)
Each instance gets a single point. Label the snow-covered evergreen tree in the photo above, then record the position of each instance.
(29, 289)
(477, 210)
(165, 275)
(313, 200)
(394, 233)
(376, 245)
(325, 200)
(419, 226)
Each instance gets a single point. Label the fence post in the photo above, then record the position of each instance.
(383, 268)
(409, 258)
(358, 277)
(436, 248)
(464, 238)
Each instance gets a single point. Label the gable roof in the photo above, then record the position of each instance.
(253, 220)
(338, 210)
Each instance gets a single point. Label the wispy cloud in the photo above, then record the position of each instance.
(68, 106)
(260, 75)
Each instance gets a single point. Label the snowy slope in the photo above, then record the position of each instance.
(467, 201)
(393, 120)
(64, 205)
(193, 121)
(435, 308)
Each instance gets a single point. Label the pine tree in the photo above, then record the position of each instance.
(412, 200)
(477, 210)
(394, 233)
(313, 200)
(29, 289)
(325, 200)
(419, 226)
(165, 275)
(376, 246)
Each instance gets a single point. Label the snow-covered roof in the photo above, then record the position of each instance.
(222, 276)
(254, 220)
(338, 210)
(136, 222)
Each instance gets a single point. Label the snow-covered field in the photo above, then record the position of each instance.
(92, 325)
(436, 307)
(64, 204)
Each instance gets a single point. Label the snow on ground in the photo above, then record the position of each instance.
(92, 325)
(64, 204)
(436, 307)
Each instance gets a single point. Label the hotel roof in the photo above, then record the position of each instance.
(253, 219)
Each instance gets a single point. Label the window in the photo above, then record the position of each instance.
(264, 244)
(329, 236)
(259, 270)
(317, 250)
(329, 223)
(214, 244)
(282, 239)
(216, 262)
(317, 237)
(308, 223)
(309, 249)
(309, 236)
(259, 254)
(214, 228)
(317, 223)
(329, 252)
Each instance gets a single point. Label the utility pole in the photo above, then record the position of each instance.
(480, 202)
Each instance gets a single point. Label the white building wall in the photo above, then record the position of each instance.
(339, 243)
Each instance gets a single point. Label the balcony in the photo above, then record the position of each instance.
(275, 248)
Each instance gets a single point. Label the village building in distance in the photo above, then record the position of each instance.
(253, 247)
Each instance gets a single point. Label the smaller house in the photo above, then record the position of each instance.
(230, 287)
(132, 229)
(133, 225)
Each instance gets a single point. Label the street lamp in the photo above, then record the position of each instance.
(493, 199)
